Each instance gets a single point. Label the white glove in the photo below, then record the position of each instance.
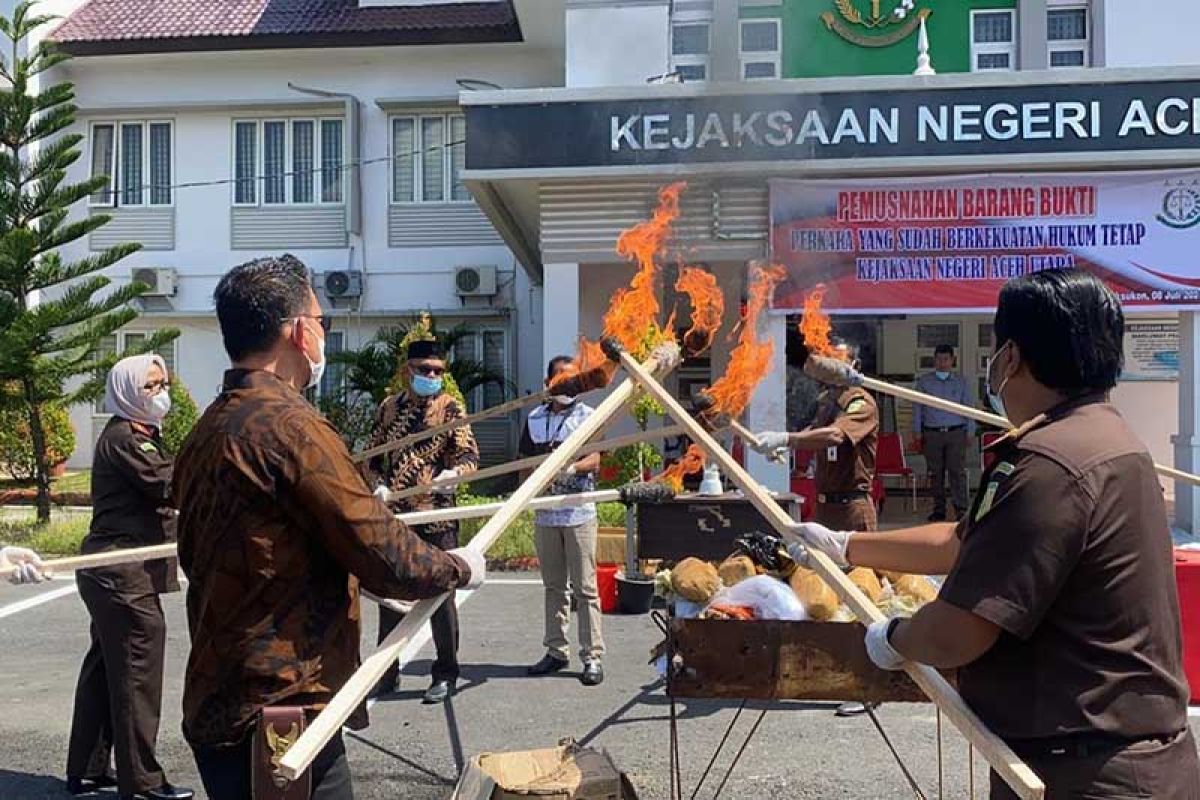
(770, 441)
(475, 562)
(383, 493)
(445, 474)
(25, 563)
(817, 537)
(880, 649)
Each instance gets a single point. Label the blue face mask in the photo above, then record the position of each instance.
(424, 386)
(942, 375)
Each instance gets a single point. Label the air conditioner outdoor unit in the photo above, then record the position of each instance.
(340, 283)
(161, 280)
(475, 281)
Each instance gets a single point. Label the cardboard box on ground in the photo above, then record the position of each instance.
(566, 772)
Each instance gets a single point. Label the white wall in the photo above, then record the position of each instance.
(617, 45)
(1158, 34)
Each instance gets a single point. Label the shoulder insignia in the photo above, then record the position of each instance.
(999, 472)
(149, 447)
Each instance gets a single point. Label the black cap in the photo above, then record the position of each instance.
(424, 348)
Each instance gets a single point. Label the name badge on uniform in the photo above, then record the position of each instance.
(831, 453)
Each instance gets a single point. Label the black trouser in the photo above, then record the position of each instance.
(944, 453)
(444, 621)
(225, 771)
(119, 695)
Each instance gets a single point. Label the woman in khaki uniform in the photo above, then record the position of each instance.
(119, 697)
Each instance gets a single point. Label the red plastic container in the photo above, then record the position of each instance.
(1187, 576)
(606, 587)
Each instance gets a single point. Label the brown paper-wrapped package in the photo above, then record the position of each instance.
(695, 580)
(819, 600)
(736, 569)
(866, 579)
(917, 587)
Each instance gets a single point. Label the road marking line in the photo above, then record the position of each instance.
(1194, 711)
(34, 602)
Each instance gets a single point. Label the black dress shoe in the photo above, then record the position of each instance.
(439, 692)
(164, 792)
(89, 785)
(593, 674)
(547, 665)
(388, 684)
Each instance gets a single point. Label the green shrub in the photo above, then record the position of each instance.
(353, 417)
(621, 465)
(16, 443)
(180, 419)
(611, 515)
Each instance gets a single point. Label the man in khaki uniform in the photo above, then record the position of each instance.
(844, 436)
(1060, 608)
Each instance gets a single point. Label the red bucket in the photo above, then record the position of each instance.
(606, 586)
(1187, 577)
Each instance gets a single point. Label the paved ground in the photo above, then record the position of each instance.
(412, 751)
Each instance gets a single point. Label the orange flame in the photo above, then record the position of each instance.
(815, 326)
(750, 359)
(708, 306)
(693, 461)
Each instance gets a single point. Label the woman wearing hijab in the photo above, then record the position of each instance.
(119, 696)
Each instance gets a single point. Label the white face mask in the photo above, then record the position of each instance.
(315, 368)
(563, 399)
(159, 405)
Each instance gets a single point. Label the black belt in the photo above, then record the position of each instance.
(841, 498)
(943, 429)
(1079, 745)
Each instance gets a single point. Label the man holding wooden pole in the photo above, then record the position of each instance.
(277, 530)
(1060, 608)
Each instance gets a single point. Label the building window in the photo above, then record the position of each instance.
(689, 49)
(288, 161)
(993, 40)
(135, 156)
(1067, 33)
(759, 49)
(487, 347)
(121, 341)
(428, 158)
(332, 379)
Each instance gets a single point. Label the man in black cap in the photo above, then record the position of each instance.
(421, 405)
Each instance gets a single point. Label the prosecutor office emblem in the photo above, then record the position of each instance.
(1181, 206)
(874, 23)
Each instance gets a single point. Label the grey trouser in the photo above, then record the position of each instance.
(567, 554)
(944, 452)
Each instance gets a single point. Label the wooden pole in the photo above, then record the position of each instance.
(326, 725)
(747, 435)
(533, 461)
(105, 559)
(913, 396)
(1014, 772)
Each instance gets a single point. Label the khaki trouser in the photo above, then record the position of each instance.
(567, 553)
(1162, 770)
(944, 453)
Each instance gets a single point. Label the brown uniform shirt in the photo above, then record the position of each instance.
(1068, 551)
(853, 410)
(131, 506)
(276, 531)
(401, 415)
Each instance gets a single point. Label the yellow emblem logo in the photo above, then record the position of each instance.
(278, 745)
(874, 27)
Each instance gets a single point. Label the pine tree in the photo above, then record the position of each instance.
(54, 314)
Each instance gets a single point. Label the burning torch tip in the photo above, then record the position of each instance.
(612, 349)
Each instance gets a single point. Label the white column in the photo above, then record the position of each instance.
(560, 310)
(768, 405)
(1187, 443)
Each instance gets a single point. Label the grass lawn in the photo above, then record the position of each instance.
(61, 537)
(76, 482)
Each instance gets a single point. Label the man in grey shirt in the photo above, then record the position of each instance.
(941, 436)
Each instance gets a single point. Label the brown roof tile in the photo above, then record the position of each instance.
(138, 26)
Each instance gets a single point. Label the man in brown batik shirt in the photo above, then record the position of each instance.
(424, 404)
(1060, 607)
(276, 532)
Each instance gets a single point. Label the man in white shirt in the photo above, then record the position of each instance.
(566, 538)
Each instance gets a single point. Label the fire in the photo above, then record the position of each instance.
(750, 359)
(815, 326)
(708, 306)
(693, 461)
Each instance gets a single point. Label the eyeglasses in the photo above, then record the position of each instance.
(428, 370)
(325, 322)
(155, 387)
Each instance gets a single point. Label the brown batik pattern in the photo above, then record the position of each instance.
(420, 462)
(276, 531)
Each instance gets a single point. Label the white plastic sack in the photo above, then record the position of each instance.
(769, 597)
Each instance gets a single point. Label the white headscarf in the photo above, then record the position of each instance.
(124, 395)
